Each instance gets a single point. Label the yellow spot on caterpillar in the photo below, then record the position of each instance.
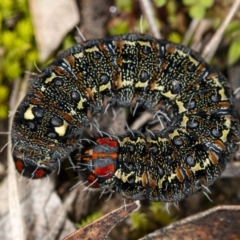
(170, 178)
(141, 84)
(73, 112)
(28, 115)
(216, 83)
(223, 95)
(128, 140)
(169, 95)
(142, 43)
(61, 131)
(80, 103)
(122, 175)
(48, 80)
(92, 49)
(160, 182)
(197, 167)
(174, 134)
(129, 43)
(94, 89)
(181, 53)
(181, 108)
(78, 55)
(104, 87)
(160, 88)
(127, 82)
(194, 61)
(226, 132)
(184, 121)
(138, 179)
(43, 89)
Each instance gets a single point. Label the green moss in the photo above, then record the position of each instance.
(120, 27)
(174, 37)
(18, 50)
(197, 8)
(124, 5)
(234, 52)
(160, 215)
(160, 3)
(139, 221)
(91, 218)
(233, 35)
(3, 111)
(149, 219)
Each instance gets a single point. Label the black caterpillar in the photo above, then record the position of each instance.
(129, 70)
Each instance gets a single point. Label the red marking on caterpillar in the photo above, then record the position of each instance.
(201, 133)
(30, 169)
(101, 161)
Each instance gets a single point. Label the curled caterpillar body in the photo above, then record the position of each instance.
(157, 166)
(131, 70)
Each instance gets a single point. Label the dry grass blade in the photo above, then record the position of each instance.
(16, 223)
(191, 29)
(143, 119)
(210, 49)
(147, 9)
(100, 228)
(197, 42)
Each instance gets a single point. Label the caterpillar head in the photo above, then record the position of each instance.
(32, 165)
(40, 139)
(101, 160)
(33, 160)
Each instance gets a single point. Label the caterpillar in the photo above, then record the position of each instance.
(185, 157)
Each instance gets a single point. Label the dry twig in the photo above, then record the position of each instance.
(16, 223)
